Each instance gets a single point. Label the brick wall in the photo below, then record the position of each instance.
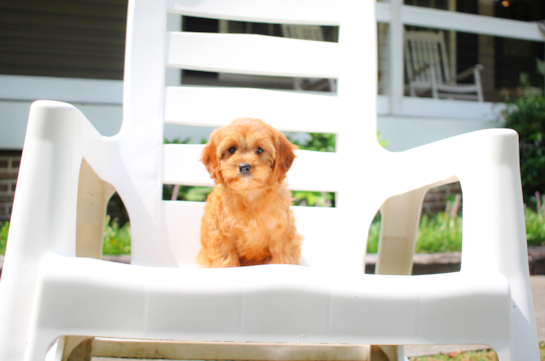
(9, 168)
(436, 198)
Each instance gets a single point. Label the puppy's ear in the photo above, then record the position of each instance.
(284, 157)
(210, 158)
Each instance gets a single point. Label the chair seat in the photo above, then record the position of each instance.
(271, 303)
(454, 88)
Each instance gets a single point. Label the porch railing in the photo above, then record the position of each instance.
(392, 103)
(397, 15)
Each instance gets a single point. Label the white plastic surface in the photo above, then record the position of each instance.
(46, 291)
(307, 112)
(246, 54)
(318, 12)
(303, 305)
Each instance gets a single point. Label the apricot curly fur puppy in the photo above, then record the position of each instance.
(247, 218)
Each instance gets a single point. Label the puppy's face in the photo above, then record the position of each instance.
(248, 154)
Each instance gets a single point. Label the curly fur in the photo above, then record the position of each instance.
(247, 218)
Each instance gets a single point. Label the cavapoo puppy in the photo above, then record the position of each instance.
(247, 218)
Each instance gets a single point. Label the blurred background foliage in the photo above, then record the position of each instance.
(526, 115)
(117, 239)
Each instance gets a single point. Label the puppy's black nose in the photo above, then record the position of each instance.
(244, 168)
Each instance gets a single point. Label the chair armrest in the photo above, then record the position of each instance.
(44, 210)
(469, 72)
(487, 164)
(43, 219)
(494, 237)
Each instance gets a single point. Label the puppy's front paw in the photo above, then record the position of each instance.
(223, 262)
(214, 259)
(284, 260)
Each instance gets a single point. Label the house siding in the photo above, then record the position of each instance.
(63, 38)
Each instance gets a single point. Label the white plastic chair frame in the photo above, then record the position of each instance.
(427, 68)
(49, 291)
(308, 32)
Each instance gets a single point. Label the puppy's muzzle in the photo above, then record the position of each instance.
(244, 168)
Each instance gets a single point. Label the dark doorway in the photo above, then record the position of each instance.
(467, 45)
(514, 57)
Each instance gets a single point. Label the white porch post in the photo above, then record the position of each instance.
(173, 76)
(395, 58)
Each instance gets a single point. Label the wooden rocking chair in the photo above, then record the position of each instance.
(427, 67)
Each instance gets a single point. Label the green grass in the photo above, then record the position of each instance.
(439, 233)
(486, 355)
(3, 237)
(186, 193)
(117, 240)
(443, 232)
(535, 226)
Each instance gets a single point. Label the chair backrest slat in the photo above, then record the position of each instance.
(444, 56)
(435, 59)
(409, 58)
(299, 111)
(181, 165)
(421, 56)
(309, 12)
(245, 54)
(423, 47)
(436, 48)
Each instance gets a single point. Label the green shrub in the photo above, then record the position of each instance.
(439, 233)
(117, 240)
(374, 233)
(312, 199)
(182, 141)
(319, 142)
(177, 141)
(527, 116)
(4, 228)
(186, 193)
(535, 223)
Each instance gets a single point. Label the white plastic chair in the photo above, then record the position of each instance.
(428, 69)
(309, 32)
(51, 285)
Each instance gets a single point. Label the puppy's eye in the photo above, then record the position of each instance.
(259, 150)
(232, 150)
